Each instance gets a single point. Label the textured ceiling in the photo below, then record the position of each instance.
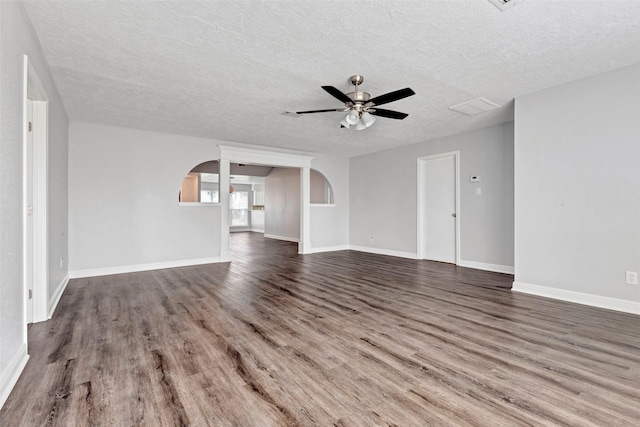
(228, 69)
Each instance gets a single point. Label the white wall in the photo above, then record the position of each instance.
(17, 38)
(282, 204)
(58, 198)
(383, 200)
(123, 200)
(330, 224)
(257, 220)
(578, 189)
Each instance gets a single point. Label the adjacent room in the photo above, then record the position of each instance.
(267, 213)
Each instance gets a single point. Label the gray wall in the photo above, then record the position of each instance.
(123, 198)
(17, 39)
(282, 204)
(330, 224)
(577, 185)
(383, 202)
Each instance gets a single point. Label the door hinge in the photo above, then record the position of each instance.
(30, 126)
(30, 294)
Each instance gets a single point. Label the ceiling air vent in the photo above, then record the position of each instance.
(476, 106)
(504, 4)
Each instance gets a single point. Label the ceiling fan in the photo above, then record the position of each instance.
(361, 108)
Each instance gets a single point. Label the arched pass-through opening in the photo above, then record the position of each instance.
(321, 190)
(200, 185)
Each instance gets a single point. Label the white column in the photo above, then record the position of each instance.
(223, 191)
(304, 245)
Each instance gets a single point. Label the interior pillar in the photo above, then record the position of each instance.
(223, 191)
(304, 245)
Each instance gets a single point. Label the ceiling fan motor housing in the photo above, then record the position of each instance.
(359, 97)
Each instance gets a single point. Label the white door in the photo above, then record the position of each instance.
(35, 264)
(438, 213)
(28, 273)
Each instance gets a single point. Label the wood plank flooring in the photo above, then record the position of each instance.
(333, 339)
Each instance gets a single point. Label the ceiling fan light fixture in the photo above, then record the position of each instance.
(353, 117)
(344, 123)
(360, 125)
(368, 119)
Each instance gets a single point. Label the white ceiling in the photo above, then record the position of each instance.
(228, 69)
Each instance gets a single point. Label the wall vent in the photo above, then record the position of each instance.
(504, 4)
(476, 106)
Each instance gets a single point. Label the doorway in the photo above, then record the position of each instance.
(35, 271)
(243, 155)
(262, 221)
(438, 208)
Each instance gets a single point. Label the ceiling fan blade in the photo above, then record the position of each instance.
(336, 93)
(391, 96)
(320, 111)
(390, 114)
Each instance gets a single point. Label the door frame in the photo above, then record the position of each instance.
(231, 154)
(421, 168)
(37, 260)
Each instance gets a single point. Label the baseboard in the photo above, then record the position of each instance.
(10, 374)
(77, 274)
(609, 303)
(239, 229)
(53, 302)
(507, 269)
(379, 251)
(257, 230)
(275, 236)
(329, 249)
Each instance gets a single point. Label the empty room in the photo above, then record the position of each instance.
(319, 213)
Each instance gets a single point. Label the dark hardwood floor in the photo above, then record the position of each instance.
(334, 339)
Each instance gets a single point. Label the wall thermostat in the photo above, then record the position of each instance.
(474, 178)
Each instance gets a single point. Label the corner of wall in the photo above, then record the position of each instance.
(599, 301)
(57, 293)
(9, 376)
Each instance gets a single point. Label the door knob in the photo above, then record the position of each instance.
(453, 215)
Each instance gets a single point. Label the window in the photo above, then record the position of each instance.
(239, 208)
(208, 196)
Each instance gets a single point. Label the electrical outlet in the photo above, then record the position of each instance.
(371, 238)
(61, 262)
(632, 277)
